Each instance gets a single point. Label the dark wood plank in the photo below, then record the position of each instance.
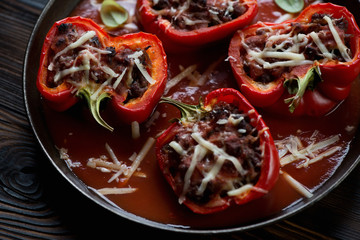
(24, 214)
(36, 202)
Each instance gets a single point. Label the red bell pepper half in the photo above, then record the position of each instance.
(218, 153)
(185, 25)
(79, 59)
(304, 66)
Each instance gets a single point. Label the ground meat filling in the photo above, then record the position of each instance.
(106, 64)
(229, 129)
(306, 46)
(191, 15)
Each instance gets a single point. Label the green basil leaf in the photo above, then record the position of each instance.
(113, 14)
(291, 6)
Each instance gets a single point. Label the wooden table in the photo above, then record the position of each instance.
(36, 202)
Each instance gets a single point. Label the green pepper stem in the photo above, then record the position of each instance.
(94, 106)
(188, 112)
(309, 81)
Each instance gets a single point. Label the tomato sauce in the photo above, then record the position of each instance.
(76, 131)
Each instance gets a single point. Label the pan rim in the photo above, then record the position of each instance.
(339, 175)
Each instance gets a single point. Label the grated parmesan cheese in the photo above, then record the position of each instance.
(297, 152)
(144, 150)
(118, 80)
(292, 149)
(65, 156)
(291, 56)
(199, 154)
(96, 163)
(341, 46)
(133, 156)
(211, 174)
(120, 168)
(60, 74)
(219, 152)
(92, 55)
(135, 130)
(175, 80)
(95, 95)
(135, 56)
(324, 154)
(177, 147)
(235, 119)
(243, 190)
(112, 154)
(320, 45)
(83, 39)
(107, 191)
(301, 189)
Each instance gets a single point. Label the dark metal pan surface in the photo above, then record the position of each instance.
(52, 13)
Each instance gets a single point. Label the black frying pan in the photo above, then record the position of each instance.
(50, 15)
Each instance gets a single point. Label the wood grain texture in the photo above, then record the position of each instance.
(37, 203)
(23, 212)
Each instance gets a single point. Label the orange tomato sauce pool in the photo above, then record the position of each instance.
(75, 131)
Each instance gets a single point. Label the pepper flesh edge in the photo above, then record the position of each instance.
(271, 164)
(337, 76)
(62, 97)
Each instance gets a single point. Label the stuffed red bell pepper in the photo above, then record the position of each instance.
(303, 66)
(79, 59)
(218, 153)
(183, 25)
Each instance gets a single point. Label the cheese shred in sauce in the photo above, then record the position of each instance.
(301, 189)
(117, 166)
(292, 149)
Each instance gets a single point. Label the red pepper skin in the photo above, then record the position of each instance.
(270, 165)
(141, 108)
(179, 40)
(61, 97)
(313, 103)
(333, 91)
(257, 94)
(337, 76)
(340, 73)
